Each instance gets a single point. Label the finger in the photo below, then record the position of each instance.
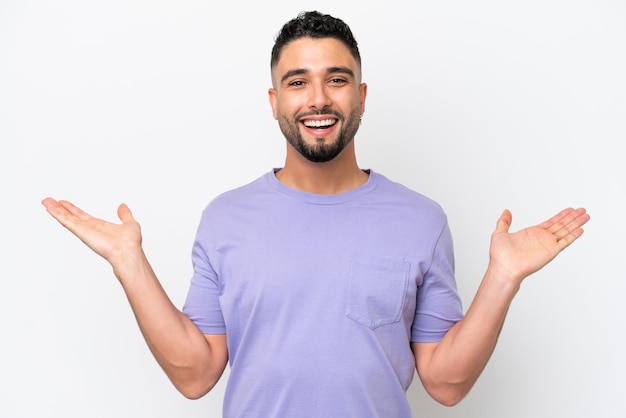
(54, 208)
(49, 203)
(74, 210)
(569, 228)
(576, 219)
(504, 222)
(560, 219)
(568, 239)
(581, 217)
(573, 230)
(556, 219)
(124, 213)
(571, 221)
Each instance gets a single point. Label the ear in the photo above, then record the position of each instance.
(363, 92)
(272, 94)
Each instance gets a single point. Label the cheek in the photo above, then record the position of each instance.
(350, 100)
(288, 106)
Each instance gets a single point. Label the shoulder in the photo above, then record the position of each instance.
(242, 195)
(399, 195)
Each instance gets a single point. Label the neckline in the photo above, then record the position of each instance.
(323, 199)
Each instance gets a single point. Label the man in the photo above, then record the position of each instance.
(323, 285)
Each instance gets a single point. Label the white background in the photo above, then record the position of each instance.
(481, 105)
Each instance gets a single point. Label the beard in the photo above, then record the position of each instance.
(321, 152)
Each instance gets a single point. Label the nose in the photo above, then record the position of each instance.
(318, 96)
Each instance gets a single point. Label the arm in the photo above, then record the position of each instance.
(194, 362)
(449, 368)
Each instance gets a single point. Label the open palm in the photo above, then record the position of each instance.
(528, 250)
(109, 240)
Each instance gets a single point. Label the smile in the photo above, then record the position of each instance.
(324, 123)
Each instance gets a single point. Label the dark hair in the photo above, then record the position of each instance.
(314, 25)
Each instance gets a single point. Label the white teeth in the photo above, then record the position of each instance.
(318, 123)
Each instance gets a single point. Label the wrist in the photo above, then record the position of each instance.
(503, 277)
(129, 262)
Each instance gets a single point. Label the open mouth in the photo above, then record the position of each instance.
(319, 124)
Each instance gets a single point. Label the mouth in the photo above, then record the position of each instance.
(320, 124)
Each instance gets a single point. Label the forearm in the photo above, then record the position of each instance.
(187, 357)
(455, 364)
(450, 368)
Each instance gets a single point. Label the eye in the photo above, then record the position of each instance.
(337, 81)
(296, 83)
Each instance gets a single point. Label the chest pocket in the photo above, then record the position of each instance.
(377, 289)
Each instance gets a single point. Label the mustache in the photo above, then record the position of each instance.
(323, 112)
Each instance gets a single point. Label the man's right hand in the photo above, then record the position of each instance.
(114, 242)
(194, 362)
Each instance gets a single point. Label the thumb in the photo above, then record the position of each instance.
(504, 222)
(125, 214)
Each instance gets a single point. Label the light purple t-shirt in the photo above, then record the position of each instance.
(321, 295)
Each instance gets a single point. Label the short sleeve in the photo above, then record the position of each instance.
(438, 305)
(202, 305)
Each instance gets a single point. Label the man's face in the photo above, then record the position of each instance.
(317, 97)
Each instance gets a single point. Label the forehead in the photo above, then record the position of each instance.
(314, 55)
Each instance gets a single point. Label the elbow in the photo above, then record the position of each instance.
(194, 384)
(196, 381)
(449, 399)
(449, 394)
(192, 394)
(194, 390)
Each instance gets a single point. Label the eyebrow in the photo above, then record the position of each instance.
(330, 70)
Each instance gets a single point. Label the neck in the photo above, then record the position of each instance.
(339, 175)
